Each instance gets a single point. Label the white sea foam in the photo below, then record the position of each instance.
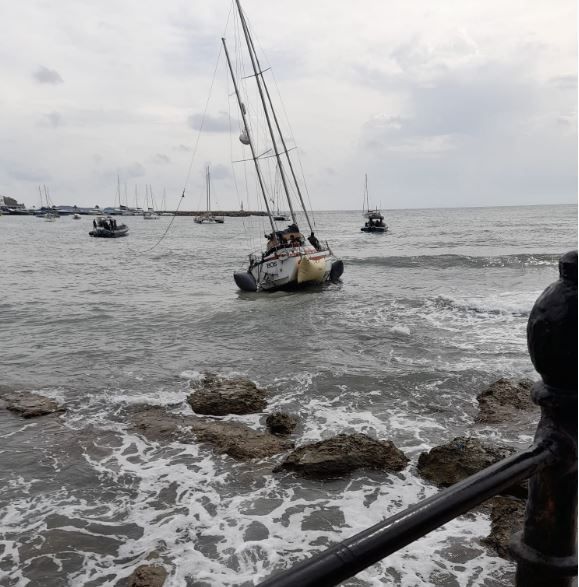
(400, 330)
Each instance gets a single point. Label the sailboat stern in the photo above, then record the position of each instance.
(245, 281)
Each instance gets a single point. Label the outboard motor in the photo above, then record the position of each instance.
(336, 270)
(245, 281)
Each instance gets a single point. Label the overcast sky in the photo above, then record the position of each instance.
(445, 103)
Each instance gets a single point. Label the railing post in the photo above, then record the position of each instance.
(546, 550)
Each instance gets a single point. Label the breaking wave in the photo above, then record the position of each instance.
(452, 261)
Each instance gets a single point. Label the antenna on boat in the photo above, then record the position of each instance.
(285, 149)
(259, 75)
(246, 128)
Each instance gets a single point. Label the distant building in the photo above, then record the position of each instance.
(8, 202)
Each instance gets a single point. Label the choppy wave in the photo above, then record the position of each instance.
(457, 261)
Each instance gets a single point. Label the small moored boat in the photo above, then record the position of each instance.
(107, 227)
(374, 219)
(208, 217)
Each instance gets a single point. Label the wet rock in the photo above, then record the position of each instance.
(148, 576)
(507, 518)
(461, 457)
(281, 423)
(231, 438)
(343, 454)
(216, 396)
(30, 405)
(504, 400)
(239, 441)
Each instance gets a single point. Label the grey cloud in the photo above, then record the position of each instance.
(53, 119)
(161, 159)
(456, 106)
(220, 172)
(564, 82)
(219, 123)
(28, 174)
(132, 170)
(43, 75)
(182, 148)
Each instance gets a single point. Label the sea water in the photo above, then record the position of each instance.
(426, 316)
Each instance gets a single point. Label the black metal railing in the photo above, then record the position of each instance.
(546, 549)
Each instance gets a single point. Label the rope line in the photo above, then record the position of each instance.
(188, 175)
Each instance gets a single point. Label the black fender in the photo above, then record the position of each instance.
(245, 281)
(336, 270)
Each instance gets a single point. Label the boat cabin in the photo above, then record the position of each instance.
(280, 239)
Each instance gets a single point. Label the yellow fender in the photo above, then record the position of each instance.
(311, 270)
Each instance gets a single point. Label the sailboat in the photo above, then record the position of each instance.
(149, 213)
(374, 218)
(289, 259)
(48, 211)
(208, 217)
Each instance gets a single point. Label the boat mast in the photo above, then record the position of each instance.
(208, 187)
(246, 127)
(285, 149)
(258, 73)
(119, 189)
(366, 192)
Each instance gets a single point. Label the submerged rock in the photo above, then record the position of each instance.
(30, 405)
(216, 396)
(343, 454)
(281, 423)
(231, 438)
(148, 576)
(504, 400)
(507, 518)
(460, 458)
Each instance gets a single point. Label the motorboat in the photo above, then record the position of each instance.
(108, 227)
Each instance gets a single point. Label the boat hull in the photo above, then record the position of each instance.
(292, 268)
(374, 229)
(208, 220)
(105, 233)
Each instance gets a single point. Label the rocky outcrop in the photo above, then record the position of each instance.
(507, 518)
(461, 457)
(281, 424)
(30, 405)
(216, 396)
(148, 576)
(343, 454)
(231, 438)
(504, 400)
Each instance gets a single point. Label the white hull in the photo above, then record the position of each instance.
(208, 220)
(281, 269)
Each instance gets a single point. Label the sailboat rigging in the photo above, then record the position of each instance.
(47, 211)
(289, 260)
(149, 213)
(374, 219)
(208, 217)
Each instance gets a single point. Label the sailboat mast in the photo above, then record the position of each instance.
(119, 189)
(259, 82)
(285, 149)
(208, 186)
(366, 192)
(246, 127)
